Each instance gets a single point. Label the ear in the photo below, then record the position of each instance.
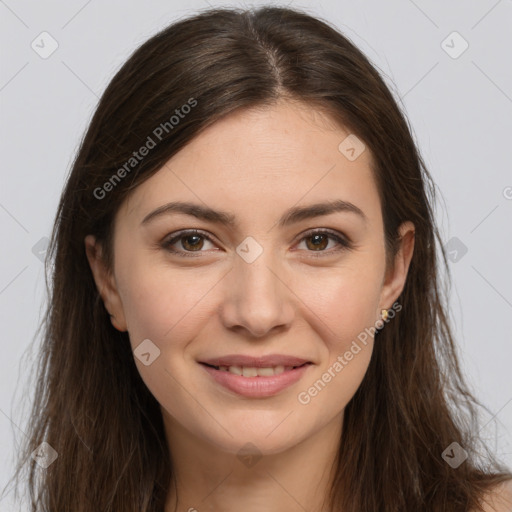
(394, 280)
(105, 283)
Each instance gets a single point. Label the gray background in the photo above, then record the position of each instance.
(459, 107)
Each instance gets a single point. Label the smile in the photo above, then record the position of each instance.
(256, 382)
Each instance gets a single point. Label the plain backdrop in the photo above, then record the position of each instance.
(448, 65)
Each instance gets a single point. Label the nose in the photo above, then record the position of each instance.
(257, 297)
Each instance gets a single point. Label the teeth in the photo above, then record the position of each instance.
(264, 372)
(248, 371)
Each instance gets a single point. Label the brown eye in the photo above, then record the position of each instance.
(187, 242)
(318, 241)
(192, 242)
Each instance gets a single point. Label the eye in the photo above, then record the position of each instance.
(192, 241)
(318, 240)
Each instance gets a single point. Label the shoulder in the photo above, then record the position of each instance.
(499, 499)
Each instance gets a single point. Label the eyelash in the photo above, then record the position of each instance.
(344, 243)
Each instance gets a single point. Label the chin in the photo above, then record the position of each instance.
(247, 444)
(269, 437)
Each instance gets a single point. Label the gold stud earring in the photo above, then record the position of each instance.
(384, 314)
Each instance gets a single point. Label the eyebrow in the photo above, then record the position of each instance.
(291, 216)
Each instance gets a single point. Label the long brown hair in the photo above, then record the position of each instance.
(91, 405)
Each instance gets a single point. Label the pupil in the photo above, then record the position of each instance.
(319, 241)
(192, 245)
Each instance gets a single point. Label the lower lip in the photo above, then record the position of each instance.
(257, 387)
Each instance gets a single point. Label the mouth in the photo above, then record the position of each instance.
(256, 381)
(255, 371)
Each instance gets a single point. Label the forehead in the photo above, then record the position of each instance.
(267, 159)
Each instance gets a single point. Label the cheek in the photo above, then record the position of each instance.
(160, 302)
(345, 300)
(344, 306)
(165, 307)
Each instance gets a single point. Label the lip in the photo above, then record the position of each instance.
(256, 387)
(256, 362)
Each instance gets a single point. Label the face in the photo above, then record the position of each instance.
(279, 283)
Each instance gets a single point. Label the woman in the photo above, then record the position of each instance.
(245, 303)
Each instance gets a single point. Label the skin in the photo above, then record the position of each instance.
(255, 164)
(499, 499)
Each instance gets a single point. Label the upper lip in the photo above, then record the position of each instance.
(256, 362)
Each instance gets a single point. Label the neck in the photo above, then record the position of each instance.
(208, 478)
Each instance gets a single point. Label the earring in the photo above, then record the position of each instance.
(384, 314)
